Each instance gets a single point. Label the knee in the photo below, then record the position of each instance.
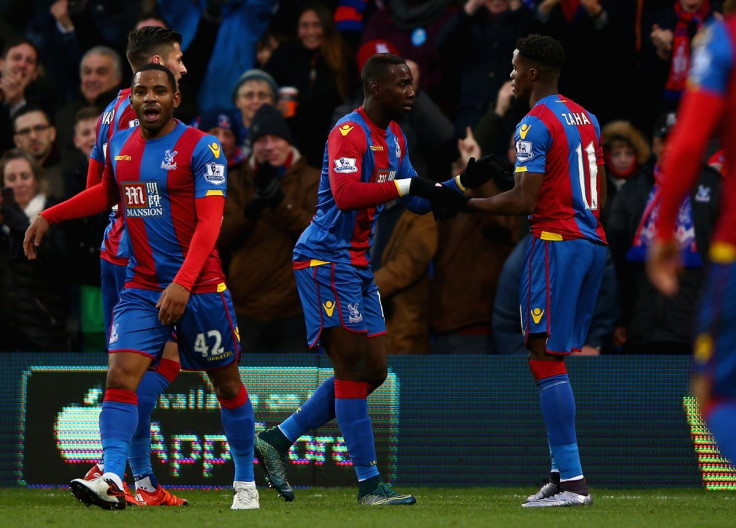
(227, 390)
(376, 377)
(119, 378)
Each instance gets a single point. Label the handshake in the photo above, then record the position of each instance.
(447, 202)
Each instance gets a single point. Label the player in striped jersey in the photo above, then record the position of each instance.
(560, 183)
(708, 108)
(170, 182)
(365, 164)
(149, 44)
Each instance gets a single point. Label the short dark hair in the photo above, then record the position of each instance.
(17, 42)
(148, 41)
(27, 109)
(157, 67)
(377, 66)
(542, 49)
(86, 112)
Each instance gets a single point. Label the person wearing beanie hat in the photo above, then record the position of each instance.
(256, 74)
(269, 121)
(268, 205)
(221, 123)
(254, 88)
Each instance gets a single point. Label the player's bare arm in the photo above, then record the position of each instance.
(521, 199)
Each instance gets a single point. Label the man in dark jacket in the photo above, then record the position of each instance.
(652, 323)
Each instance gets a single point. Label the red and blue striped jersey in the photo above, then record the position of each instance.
(708, 109)
(159, 181)
(561, 140)
(118, 114)
(359, 151)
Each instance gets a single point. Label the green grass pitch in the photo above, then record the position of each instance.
(337, 507)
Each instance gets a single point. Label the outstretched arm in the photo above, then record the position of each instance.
(92, 201)
(521, 199)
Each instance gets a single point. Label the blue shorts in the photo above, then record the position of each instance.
(112, 281)
(207, 332)
(715, 342)
(559, 287)
(335, 294)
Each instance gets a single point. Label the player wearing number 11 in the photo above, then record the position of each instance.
(560, 182)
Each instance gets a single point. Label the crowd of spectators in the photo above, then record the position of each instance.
(270, 79)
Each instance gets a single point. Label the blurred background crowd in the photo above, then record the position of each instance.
(269, 78)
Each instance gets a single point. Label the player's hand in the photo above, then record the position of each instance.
(663, 266)
(34, 236)
(479, 171)
(446, 202)
(172, 303)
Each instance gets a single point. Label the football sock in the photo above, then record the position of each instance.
(558, 409)
(553, 464)
(721, 418)
(368, 485)
(242, 484)
(118, 420)
(315, 412)
(239, 423)
(578, 486)
(115, 478)
(147, 482)
(276, 438)
(151, 386)
(351, 408)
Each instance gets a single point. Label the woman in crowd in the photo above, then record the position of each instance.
(33, 293)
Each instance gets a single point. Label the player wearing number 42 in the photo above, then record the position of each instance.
(557, 180)
(170, 181)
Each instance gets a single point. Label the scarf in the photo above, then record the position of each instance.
(622, 175)
(35, 206)
(684, 231)
(688, 23)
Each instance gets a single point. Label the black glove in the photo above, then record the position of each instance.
(446, 202)
(504, 179)
(478, 172)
